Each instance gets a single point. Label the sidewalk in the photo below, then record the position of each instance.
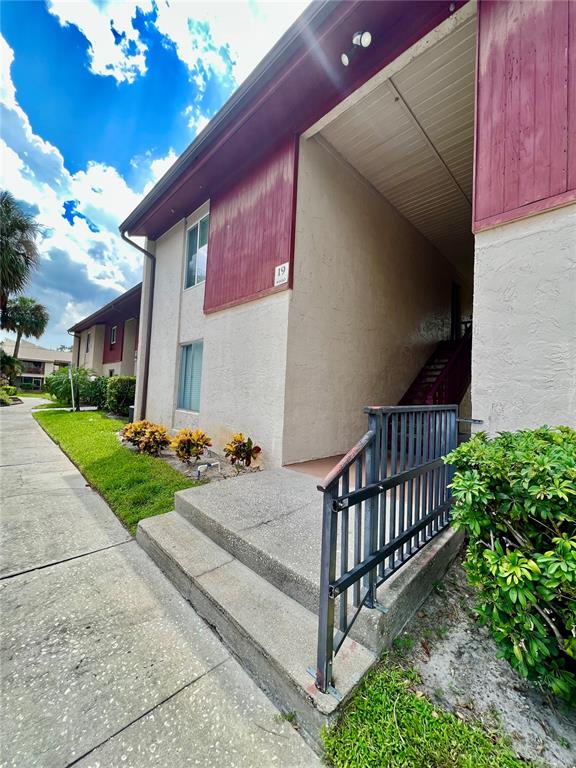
(102, 662)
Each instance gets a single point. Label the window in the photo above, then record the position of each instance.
(190, 376)
(111, 372)
(196, 253)
(113, 334)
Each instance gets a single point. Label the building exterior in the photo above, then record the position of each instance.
(333, 225)
(107, 341)
(37, 362)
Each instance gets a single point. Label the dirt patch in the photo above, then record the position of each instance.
(456, 659)
(222, 471)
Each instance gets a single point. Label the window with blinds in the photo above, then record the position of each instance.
(196, 253)
(190, 376)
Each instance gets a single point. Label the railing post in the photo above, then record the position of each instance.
(325, 652)
(371, 507)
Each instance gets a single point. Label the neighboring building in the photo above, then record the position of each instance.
(317, 247)
(37, 362)
(107, 341)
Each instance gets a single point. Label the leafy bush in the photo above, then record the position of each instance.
(57, 384)
(4, 398)
(121, 393)
(10, 391)
(241, 450)
(97, 392)
(515, 496)
(148, 437)
(190, 444)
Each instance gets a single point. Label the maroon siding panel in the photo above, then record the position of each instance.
(251, 231)
(113, 354)
(523, 120)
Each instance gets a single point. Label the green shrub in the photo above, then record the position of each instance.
(515, 496)
(4, 398)
(11, 391)
(190, 444)
(26, 386)
(120, 394)
(57, 384)
(97, 392)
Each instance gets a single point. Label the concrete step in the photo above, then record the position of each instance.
(272, 635)
(272, 521)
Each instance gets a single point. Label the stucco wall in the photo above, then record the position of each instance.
(93, 358)
(244, 358)
(371, 298)
(524, 342)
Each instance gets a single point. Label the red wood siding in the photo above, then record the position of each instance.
(251, 231)
(525, 118)
(113, 353)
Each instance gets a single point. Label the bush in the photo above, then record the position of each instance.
(148, 437)
(97, 392)
(241, 450)
(120, 394)
(10, 391)
(190, 444)
(4, 398)
(515, 496)
(57, 384)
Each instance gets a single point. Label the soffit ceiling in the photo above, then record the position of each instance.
(412, 138)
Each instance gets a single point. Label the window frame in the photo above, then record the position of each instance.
(195, 222)
(182, 347)
(113, 334)
(87, 348)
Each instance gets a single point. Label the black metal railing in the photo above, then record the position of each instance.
(383, 502)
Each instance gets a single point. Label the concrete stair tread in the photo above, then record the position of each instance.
(240, 601)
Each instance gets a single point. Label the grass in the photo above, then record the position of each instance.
(135, 486)
(389, 724)
(54, 404)
(30, 393)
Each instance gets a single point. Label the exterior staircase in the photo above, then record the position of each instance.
(445, 377)
(245, 552)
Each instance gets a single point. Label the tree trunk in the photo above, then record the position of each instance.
(17, 345)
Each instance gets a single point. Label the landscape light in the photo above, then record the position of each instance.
(359, 40)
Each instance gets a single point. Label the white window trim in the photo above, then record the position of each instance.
(190, 222)
(113, 334)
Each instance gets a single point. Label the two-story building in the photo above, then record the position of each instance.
(37, 362)
(106, 342)
(384, 212)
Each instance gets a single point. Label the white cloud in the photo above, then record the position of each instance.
(196, 120)
(96, 263)
(199, 32)
(121, 55)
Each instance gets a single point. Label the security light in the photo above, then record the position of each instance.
(359, 40)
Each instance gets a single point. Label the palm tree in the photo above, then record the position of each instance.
(18, 251)
(25, 317)
(9, 367)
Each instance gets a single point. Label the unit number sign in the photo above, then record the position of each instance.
(281, 274)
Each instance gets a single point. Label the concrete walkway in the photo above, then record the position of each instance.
(102, 662)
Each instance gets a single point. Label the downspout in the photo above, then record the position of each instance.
(146, 367)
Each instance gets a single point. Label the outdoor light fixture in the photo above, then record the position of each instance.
(359, 40)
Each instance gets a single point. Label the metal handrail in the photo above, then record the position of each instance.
(399, 502)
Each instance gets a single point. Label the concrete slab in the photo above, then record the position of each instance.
(220, 720)
(31, 479)
(78, 521)
(39, 453)
(254, 499)
(89, 646)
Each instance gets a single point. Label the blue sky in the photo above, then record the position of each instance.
(97, 100)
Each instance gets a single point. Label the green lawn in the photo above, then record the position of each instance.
(134, 485)
(387, 725)
(29, 393)
(54, 404)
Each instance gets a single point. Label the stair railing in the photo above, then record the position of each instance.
(384, 501)
(448, 386)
